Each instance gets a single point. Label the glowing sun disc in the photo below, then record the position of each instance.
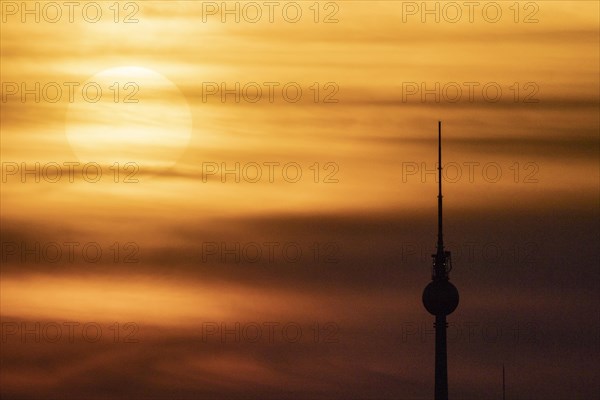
(129, 114)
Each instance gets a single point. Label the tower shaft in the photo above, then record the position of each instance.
(441, 362)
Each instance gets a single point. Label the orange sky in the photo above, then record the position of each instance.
(343, 176)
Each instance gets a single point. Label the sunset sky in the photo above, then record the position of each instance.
(248, 208)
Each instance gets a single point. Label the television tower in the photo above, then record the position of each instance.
(440, 297)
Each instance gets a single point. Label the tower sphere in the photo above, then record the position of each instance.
(440, 297)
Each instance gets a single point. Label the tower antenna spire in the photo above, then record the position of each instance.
(440, 243)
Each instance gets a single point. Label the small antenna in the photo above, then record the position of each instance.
(440, 243)
(503, 384)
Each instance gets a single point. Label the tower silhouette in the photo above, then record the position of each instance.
(440, 297)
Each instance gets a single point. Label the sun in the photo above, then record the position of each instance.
(129, 114)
